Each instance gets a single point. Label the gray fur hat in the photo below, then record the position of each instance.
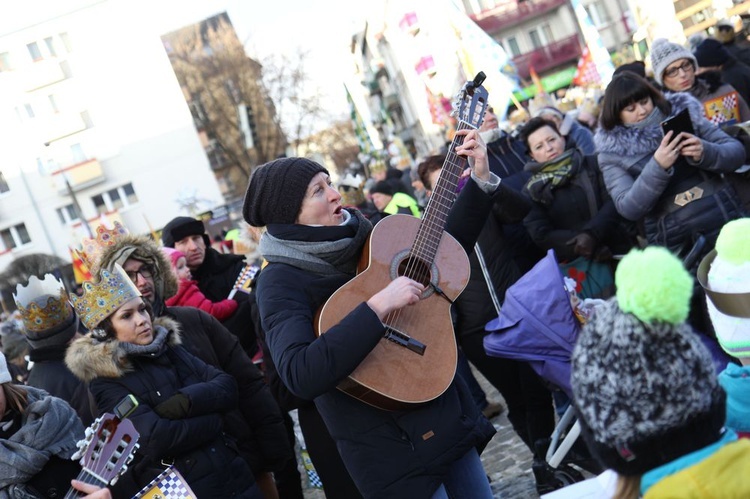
(664, 53)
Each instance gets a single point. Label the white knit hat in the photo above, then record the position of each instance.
(4, 372)
(664, 53)
(729, 274)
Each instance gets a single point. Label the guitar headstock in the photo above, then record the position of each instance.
(471, 102)
(107, 449)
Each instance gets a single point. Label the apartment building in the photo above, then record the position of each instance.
(93, 127)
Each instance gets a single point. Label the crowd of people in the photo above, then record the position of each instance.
(651, 223)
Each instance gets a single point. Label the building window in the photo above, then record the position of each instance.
(53, 103)
(76, 150)
(536, 40)
(68, 214)
(5, 62)
(65, 38)
(3, 184)
(547, 37)
(513, 47)
(14, 237)
(29, 110)
(34, 52)
(86, 118)
(50, 42)
(115, 199)
(598, 13)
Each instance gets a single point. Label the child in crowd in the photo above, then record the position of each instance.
(645, 387)
(725, 275)
(188, 294)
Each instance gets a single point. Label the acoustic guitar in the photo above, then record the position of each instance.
(415, 362)
(105, 452)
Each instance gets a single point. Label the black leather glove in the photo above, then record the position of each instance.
(583, 244)
(175, 407)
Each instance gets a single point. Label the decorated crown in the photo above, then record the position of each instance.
(102, 297)
(42, 303)
(94, 247)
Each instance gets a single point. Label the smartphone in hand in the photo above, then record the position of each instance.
(680, 122)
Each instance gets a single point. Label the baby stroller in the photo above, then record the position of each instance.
(537, 325)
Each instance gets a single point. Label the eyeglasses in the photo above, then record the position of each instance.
(144, 272)
(686, 66)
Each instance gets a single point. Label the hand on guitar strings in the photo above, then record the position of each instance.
(93, 491)
(401, 292)
(475, 150)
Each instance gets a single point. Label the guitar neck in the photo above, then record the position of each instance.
(441, 200)
(85, 476)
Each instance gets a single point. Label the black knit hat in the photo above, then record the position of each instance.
(383, 187)
(276, 190)
(711, 52)
(181, 227)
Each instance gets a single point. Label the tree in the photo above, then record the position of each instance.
(234, 115)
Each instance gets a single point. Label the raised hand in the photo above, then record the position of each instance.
(475, 150)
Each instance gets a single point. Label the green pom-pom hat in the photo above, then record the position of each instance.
(733, 243)
(653, 285)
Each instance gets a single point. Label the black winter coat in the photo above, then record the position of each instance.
(385, 452)
(207, 457)
(216, 277)
(52, 375)
(496, 254)
(582, 205)
(259, 429)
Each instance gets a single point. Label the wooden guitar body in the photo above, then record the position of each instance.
(417, 363)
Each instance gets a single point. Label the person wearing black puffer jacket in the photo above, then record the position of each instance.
(312, 246)
(182, 402)
(260, 430)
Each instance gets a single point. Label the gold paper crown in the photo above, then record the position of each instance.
(105, 237)
(43, 304)
(101, 298)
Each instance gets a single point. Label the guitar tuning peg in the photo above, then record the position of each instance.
(88, 433)
(77, 455)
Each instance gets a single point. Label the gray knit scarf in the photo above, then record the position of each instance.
(653, 119)
(50, 428)
(156, 346)
(324, 257)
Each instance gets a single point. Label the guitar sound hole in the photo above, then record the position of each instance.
(416, 269)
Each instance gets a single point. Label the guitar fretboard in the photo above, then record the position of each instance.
(441, 200)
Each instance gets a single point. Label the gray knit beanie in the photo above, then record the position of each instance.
(277, 189)
(664, 53)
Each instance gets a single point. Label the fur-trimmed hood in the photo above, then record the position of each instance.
(144, 249)
(89, 358)
(632, 141)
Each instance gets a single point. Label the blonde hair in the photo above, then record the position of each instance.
(628, 487)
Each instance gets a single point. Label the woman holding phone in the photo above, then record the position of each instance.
(669, 182)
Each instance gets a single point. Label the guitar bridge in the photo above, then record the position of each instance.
(404, 340)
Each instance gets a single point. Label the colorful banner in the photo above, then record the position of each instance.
(478, 51)
(599, 53)
(586, 73)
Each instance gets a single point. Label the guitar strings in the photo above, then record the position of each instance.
(431, 228)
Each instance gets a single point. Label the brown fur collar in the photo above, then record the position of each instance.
(144, 249)
(89, 358)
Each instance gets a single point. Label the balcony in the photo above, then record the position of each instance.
(513, 12)
(79, 176)
(42, 73)
(548, 57)
(64, 124)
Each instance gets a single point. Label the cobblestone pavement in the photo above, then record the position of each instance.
(506, 459)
